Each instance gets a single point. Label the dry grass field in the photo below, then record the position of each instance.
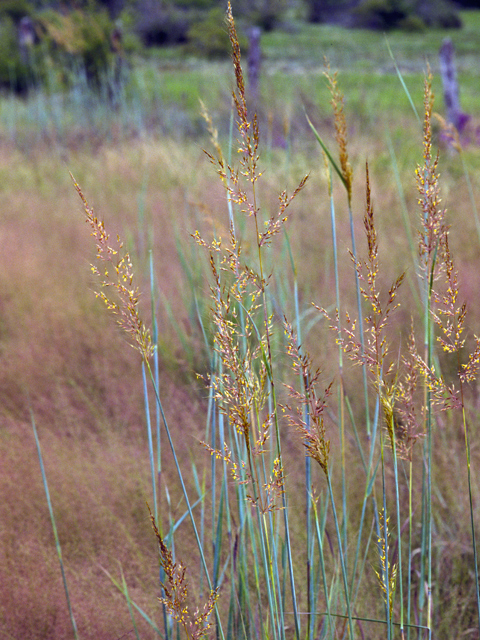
(66, 364)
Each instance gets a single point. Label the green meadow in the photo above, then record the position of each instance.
(300, 406)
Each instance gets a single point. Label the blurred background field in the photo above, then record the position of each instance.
(135, 145)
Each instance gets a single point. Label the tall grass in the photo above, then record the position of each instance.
(324, 512)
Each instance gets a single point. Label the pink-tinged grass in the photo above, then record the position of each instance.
(65, 361)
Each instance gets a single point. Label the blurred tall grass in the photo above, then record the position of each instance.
(158, 92)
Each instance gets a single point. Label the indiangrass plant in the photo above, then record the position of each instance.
(121, 297)
(332, 565)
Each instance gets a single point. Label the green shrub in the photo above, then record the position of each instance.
(323, 10)
(15, 9)
(381, 14)
(161, 24)
(78, 41)
(209, 37)
(405, 14)
(20, 66)
(412, 23)
(15, 71)
(263, 13)
(439, 14)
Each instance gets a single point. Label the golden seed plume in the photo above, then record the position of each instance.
(116, 275)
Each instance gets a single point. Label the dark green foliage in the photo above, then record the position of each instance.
(159, 24)
(199, 24)
(209, 37)
(468, 4)
(266, 14)
(34, 40)
(199, 4)
(114, 6)
(326, 10)
(17, 70)
(412, 23)
(439, 14)
(78, 41)
(15, 9)
(409, 15)
(381, 14)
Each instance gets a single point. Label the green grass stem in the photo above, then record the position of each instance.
(342, 560)
(124, 591)
(151, 454)
(54, 528)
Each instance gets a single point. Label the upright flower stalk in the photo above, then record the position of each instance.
(443, 310)
(244, 384)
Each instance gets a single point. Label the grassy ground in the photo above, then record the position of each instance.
(365, 51)
(64, 359)
(162, 92)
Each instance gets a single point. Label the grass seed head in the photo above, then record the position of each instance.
(175, 588)
(433, 228)
(337, 102)
(313, 434)
(117, 275)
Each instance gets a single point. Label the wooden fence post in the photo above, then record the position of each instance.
(450, 86)
(26, 38)
(254, 63)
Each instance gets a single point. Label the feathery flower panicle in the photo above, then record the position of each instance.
(274, 224)
(376, 348)
(239, 391)
(448, 314)
(314, 433)
(238, 468)
(367, 273)
(242, 192)
(248, 130)
(116, 274)
(444, 396)
(198, 625)
(470, 370)
(240, 185)
(241, 387)
(243, 382)
(439, 270)
(275, 488)
(374, 354)
(407, 424)
(449, 132)
(433, 215)
(337, 103)
(211, 130)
